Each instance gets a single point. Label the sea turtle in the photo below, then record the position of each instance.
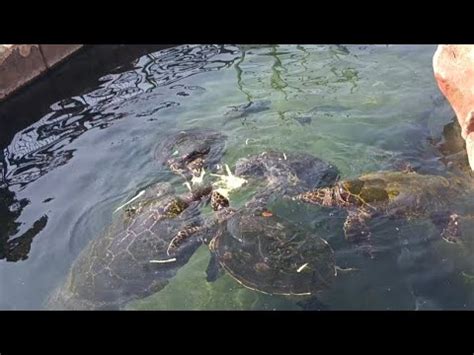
(259, 249)
(266, 253)
(189, 152)
(392, 194)
(129, 260)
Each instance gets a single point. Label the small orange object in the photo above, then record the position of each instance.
(267, 214)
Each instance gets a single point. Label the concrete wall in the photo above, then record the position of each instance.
(20, 64)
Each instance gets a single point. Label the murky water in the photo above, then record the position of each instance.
(362, 108)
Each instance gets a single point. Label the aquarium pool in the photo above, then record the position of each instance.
(69, 161)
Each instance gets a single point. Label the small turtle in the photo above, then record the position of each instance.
(392, 194)
(189, 152)
(129, 260)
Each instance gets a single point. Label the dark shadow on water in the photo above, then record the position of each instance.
(41, 120)
(84, 104)
(81, 73)
(12, 247)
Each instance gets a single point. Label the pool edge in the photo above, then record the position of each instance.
(22, 64)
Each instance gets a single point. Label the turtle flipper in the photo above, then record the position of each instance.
(448, 225)
(214, 269)
(356, 229)
(182, 236)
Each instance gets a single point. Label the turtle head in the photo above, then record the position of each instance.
(324, 196)
(191, 163)
(195, 160)
(176, 166)
(341, 194)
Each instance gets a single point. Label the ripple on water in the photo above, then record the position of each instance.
(363, 108)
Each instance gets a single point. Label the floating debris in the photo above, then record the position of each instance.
(164, 261)
(302, 267)
(196, 180)
(188, 185)
(128, 202)
(228, 183)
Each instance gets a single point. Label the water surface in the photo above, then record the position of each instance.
(363, 108)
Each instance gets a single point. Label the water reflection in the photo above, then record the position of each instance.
(286, 76)
(41, 147)
(354, 112)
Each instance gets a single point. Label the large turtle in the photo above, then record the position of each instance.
(129, 260)
(266, 253)
(190, 151)
(393, 194)
(259, 249)
(405, 194)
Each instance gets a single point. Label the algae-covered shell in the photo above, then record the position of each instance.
(129, 260)
(273, 256)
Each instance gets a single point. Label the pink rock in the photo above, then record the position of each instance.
(453, 67)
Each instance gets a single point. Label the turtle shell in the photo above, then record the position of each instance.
(401, 193)
(273, 256)
(288, 172)
(130, 259)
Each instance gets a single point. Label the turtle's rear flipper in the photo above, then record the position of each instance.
(214, 269)
(356, 230)
(313, 304)
(448, 225)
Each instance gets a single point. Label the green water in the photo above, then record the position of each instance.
(362, 108)
(366, 108)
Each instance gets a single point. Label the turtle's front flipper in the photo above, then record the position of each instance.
(214, 269)
(356, 229)
(183, 235)
(448, 225)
